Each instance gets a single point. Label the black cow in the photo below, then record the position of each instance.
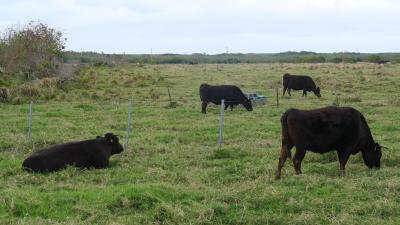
(231, 94)
(383, 62)
(299, 82)
(84, 154)
(343, 129)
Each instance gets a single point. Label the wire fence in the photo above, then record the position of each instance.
(35, 111)
(31, 115)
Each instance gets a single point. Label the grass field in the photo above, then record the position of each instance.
(173, 171)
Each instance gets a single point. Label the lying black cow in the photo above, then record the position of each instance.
(84, 154)
(299, 82)
(231, 94)
(343, 129)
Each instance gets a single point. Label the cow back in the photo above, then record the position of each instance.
(323, 129)
(299, 82)
(82, 154)
(215, 94)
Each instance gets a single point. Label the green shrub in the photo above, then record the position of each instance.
(35, 50)
(373, 59)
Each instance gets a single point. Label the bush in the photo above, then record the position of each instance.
(396, 59)
(102, 63)
(34, 51)
(313, 59)
(85, 60)
(231, 61)
(3, 83)
(346, 59)
(373, 59)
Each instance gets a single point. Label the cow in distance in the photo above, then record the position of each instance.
(299, 82)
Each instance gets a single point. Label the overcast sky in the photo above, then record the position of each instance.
(215, 26)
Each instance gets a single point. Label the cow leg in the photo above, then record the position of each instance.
(343, 158)
(304, 93)
(203, 107)
(231, 107)
(101, 166)
(288, 91)
(226, 106)
(100, 162)
(285, 153)
(298, 157)
(284, 90)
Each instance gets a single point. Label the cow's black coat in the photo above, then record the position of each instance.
(343, 129)
(231, 94)
(84, 154)
(299, 82)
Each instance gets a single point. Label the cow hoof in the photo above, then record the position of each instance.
(298, 172)
(277, 176)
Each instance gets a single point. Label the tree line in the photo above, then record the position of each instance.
(232, 58)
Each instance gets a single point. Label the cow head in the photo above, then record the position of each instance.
(247, 104)
(317, 92)
(114, 140)
(378, 155)
(372, 158)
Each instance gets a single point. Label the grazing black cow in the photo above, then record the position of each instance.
(231, 94)
(383, 62)
(299, 82)
(84, 154)
(343, 129)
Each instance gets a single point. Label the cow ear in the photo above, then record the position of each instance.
(378, 147)
(115, 139)
(108, 137)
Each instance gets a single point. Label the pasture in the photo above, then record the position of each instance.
(173, 171)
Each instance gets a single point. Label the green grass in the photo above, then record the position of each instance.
(173, 171)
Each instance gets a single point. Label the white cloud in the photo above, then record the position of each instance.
(210, 25)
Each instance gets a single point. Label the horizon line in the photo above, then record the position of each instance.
(229, 53)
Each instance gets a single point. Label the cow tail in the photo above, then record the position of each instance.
(285, 134)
